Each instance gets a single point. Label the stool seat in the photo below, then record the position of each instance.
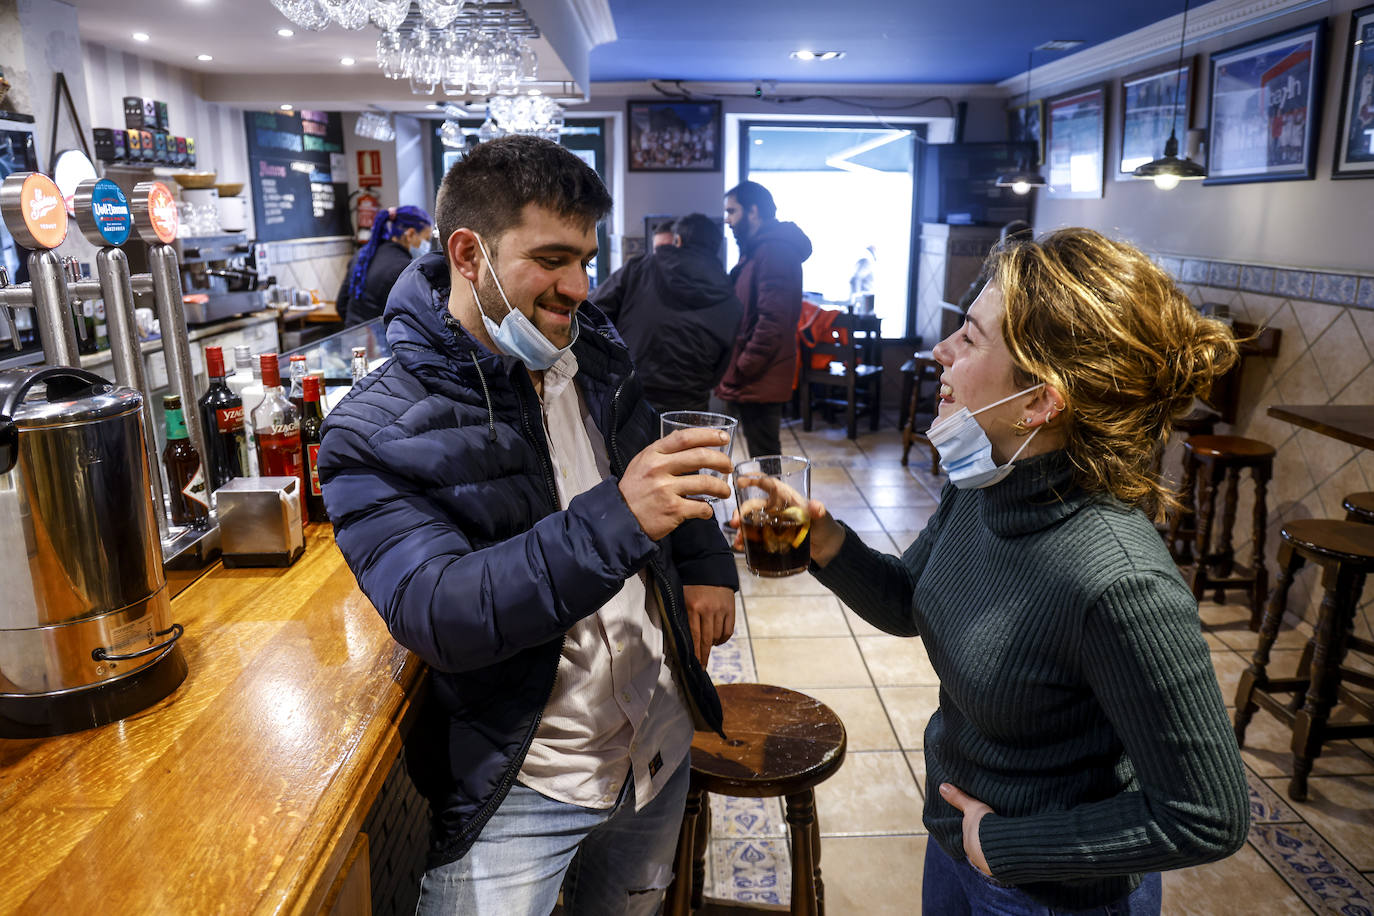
(1235, 448)
(1351, 542)
(1359, 507)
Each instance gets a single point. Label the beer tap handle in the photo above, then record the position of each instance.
(72, 269)
(7, 313)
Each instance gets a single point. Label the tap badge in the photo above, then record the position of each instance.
(42, 210)
(110, 209)
(162, 212)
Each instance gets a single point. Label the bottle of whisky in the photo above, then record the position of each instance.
(190, 496)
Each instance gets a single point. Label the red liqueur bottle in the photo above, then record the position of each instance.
(221, 411)
(277, 427)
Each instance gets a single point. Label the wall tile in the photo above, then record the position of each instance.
(1224, 275)
(1292, 344)
(1365, 297)
(1359, 391)
(1194, 271)
(1257, 279)
(1296, 284)
(1315, 317)
(1324, 455)
(1341, 354)
(1337, 288)
(1364, 323)
(1171, 265)
(1302, 383)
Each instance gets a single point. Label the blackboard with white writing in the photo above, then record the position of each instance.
(291, 161)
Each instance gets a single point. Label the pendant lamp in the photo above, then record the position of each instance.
(1025, 177)
(1168, 170)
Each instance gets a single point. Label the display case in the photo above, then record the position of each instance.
(333, 355)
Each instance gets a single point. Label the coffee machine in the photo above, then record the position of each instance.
(217, 279)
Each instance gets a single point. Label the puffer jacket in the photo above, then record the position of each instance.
(678, 313)
(437, 476)
(768, 280)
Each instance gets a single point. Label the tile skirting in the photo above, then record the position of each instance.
(1332, 287)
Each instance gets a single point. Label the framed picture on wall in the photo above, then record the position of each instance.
(1153, 103)
(674, 136)
(1355, 138)
(1074, 148)
(1265, 101)
(1025, 125)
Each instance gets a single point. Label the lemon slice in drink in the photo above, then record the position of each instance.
(797, 514)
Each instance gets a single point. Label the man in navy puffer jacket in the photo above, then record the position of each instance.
(500, 491)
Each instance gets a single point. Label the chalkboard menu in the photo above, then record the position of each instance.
(292, 156)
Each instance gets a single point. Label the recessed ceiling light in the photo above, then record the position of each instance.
(347, 61)
(434, 106)
(285, 33)
(204, 57)
(758, 142)
(1059, 44)
(286, 108)
(536, 92)
(141, 36)
(806, 54)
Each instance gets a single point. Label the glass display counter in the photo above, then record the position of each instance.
(333, 356)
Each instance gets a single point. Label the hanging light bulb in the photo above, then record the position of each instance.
(1168, 170)
(1023, 179)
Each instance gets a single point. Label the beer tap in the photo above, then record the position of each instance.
(7, 313)
(71, 269)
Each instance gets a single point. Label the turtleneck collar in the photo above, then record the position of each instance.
(1039, 493)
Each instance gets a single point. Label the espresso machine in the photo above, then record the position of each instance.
(217, 279)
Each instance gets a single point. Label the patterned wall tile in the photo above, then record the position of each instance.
(1194, 271)
(1365, 297)
(1295, 284)
(1257, 279)
(1337, 288)
(1223, 275)
(1173, 266)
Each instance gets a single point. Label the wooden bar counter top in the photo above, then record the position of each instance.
(241, 792)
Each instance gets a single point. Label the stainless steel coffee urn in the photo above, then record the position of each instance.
(86, 635)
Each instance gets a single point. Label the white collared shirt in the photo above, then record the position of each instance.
(615, 704)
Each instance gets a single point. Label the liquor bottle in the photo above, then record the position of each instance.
(359, 364)
(277, 425)
(246, 382)
(190, 497)
(311, 419)
(102, 328)
(297, 394)
(221, 414)
(245, 368)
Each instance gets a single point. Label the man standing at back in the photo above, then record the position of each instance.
(678, 313)
(768, 280)
(500, 492)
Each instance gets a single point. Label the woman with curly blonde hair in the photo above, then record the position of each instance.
(1081, 744)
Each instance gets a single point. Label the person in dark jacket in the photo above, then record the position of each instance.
(768, 280)
(399, 236)
(499, 490)
(677, 311)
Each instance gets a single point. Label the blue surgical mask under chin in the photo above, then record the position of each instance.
(966, 451)
(418, 251)
(516, 335)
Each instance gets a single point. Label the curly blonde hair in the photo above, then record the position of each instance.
(1108, 328)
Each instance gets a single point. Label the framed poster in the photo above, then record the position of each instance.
(1149, 112)
(1355, 138)
(1265, 100)
(675, 136)
(1025, 125)
(1074, 148)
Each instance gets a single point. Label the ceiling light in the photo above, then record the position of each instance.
(1026, 176)
(285, 33)
(434, 106)
(205, 57)
(347, 61)
(286, 108)
(1168, 170)
(141, 36)
(807, 54)
(1059, 44)
(758, 142)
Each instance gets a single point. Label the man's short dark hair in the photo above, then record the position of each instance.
(662, 227)
(752, 194)
(486, 190)
(698, 231)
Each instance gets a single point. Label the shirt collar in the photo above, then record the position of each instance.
(559, 375)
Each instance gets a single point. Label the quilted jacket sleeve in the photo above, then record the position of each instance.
(461, 608)
(779, 281)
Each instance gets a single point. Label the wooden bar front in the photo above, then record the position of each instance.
(244, 790)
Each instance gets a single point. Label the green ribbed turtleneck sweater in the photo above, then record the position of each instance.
(1077, 696)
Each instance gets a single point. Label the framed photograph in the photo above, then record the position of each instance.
(674, 136)
(1025, 125)
(1077, 137)
(1152, 103)
(1355, 138)
(1265, 101)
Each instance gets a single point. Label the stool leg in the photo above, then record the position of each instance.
(1180, 545)
(1342, 592)
(806, 853)
(1256, 676)
(909, 425)
(1260, 521)
(1207, 507)
(677, 902)
(1228, 526)
(703, 838)
(820, 885)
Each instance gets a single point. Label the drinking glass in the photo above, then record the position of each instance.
(772, 492)
(674, 420)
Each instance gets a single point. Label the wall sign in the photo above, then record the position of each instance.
(369, 168)
(290, 165)
(33, 210)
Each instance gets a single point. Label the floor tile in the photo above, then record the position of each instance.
(742, 818)
(811, 662)
(805, 615)
(750, 871)
(878, 540)
(905, 518)
(873, 792)
(910, 709)
(873, 875)
(863, 519)
(1268, 750)
(858, 625)
(1312, 868)
(896, 660)
(881, 476)
(1242, 883)
(1341, 809)
(917, 761)
(732, 663)
(800, 584)
(865, 720)
(907, 495)
(837, 496)
(1266, 805)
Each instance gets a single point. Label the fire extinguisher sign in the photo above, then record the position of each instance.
(369, 168)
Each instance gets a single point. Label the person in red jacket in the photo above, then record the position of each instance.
(768, 280)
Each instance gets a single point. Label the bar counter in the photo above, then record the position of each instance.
(243, 791)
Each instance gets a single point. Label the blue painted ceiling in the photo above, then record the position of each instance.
(885, 41)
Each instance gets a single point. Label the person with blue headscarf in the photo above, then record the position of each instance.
(399, 235)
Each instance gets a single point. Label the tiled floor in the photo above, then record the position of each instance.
(1312, 857)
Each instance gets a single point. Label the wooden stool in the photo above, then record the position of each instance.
(1345, 552)
(1181, 530)
(1359, 507)
(781, 743)
(1224, 458)
(922, 369)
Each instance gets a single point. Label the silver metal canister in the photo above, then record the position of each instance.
(86, 634)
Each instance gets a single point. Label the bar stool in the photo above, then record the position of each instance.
(1224, 457)
(919, 372)
(1359, 507)
(1181, 529)
(782, 743)
(1345, 552)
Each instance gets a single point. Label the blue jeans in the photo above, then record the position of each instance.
(616, 860)
(951, 888)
